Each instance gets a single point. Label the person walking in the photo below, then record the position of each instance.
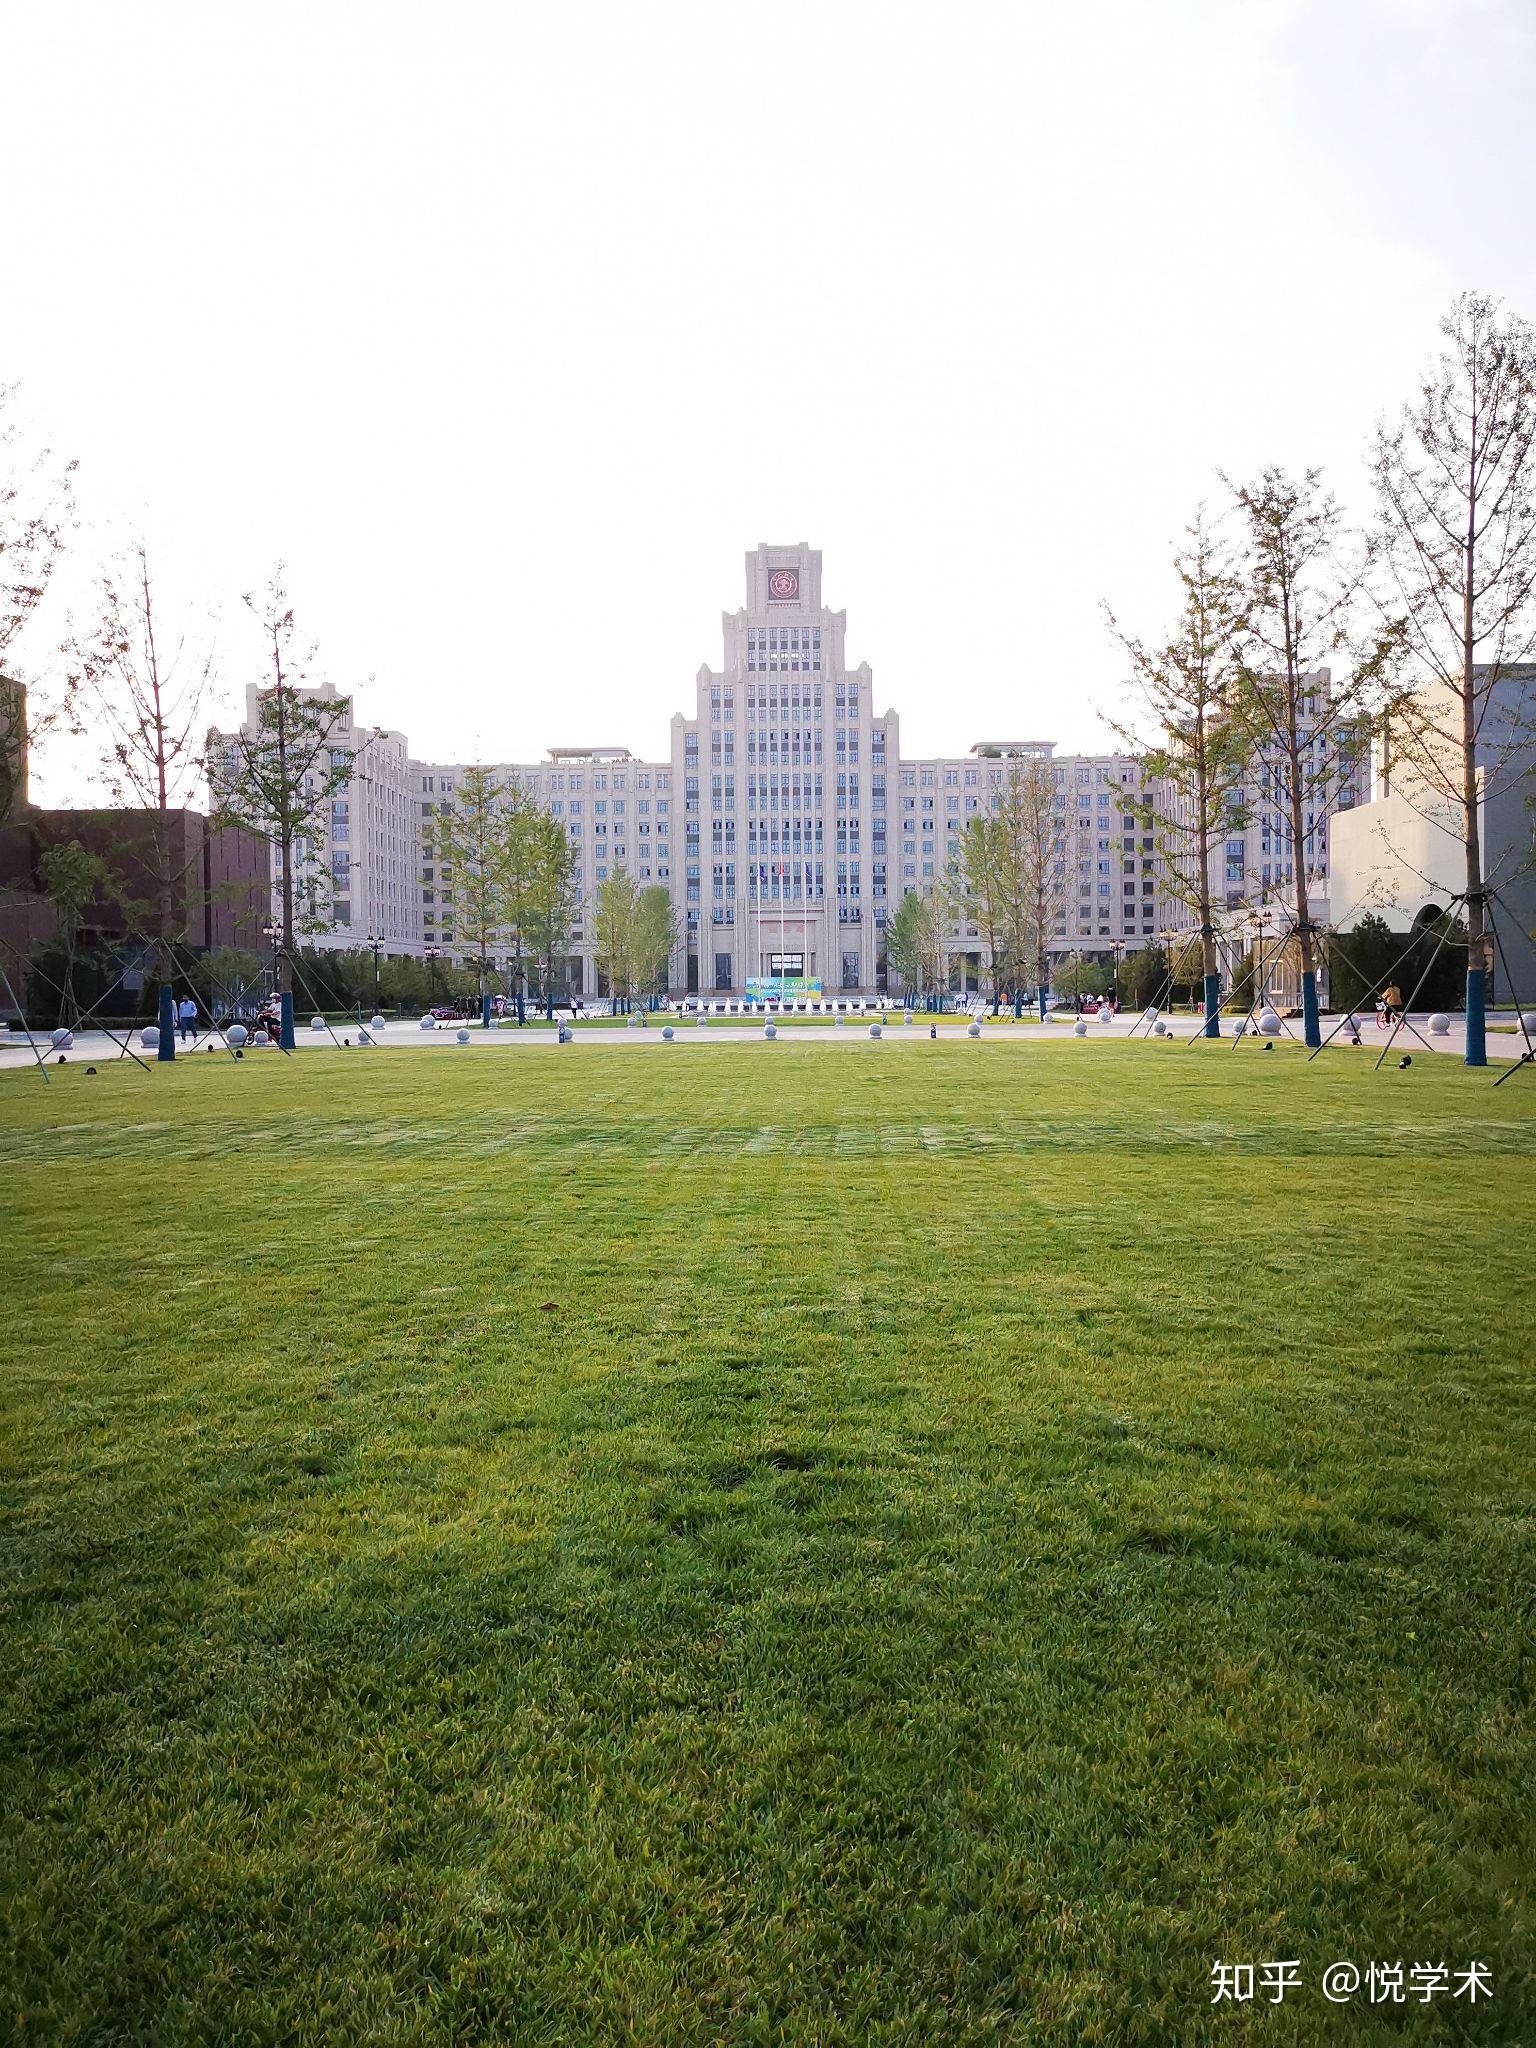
(186, 1017)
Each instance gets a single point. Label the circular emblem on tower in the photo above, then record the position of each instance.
(783, 584)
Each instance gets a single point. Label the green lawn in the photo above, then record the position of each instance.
(906, 1543)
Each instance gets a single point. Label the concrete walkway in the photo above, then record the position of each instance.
(95, 1046)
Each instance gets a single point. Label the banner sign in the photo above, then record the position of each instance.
(782, 988)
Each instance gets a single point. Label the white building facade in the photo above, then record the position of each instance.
(783, 818)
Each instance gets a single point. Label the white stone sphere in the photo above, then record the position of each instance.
(874, 1030)
(906, 1016)
(1106, 1015)
(377, 1023)
(236, 1035)
(634, 1020)
(317, 1023)
(973, 1029)
(703, 1020)
(429, 1022)
(149, 1037)
(1269, 1024)
(63, 1040)
(770, 1030)
(462, 1035)
(1439, 1025)
(666, 1031)
(1528, 1023)
(1159, 1029)
(1080, 1028)
(1151, 1013)
(837, 1020)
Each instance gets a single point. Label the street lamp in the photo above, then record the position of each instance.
(375, 944)
(432, 954)
(273, 933)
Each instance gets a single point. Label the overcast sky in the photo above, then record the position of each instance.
(511, 328)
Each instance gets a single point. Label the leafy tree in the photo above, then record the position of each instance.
(1359, 959)
(474, 838)
(142, 690)
(70, 876)
(655, 937)
(278, 781)
(903, 946)
(1301, 586)
(1196, 755)
(615, 913)
(1078, 977)
(1455, 479)
(404, 984)
(550, 900)
(1143, 975)
(36, 513)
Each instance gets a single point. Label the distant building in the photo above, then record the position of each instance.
(220, 897)
(1400, 855)
(783, 818)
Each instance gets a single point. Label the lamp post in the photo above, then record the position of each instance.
(1261, 926)
(431, 954)
(1116, 947)
(375, 945)
(273, 934)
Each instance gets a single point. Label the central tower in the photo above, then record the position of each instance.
(780, 768)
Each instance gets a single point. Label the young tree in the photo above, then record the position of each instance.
(278, 781)
(550, 900)
(614, 913)
(1195, 754)
(36, 512)
(1455, 479)
(655, 937)
(1301, 585)
(472, 838)
(982, 881)
(1034, 866)
(70, 876)
(142, 691)
(903, 947)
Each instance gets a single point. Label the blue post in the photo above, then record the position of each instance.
(522, 1011)
(1477, 1018)
(1043, 993)
(285, 1037)
(1311, 1029)
(1213, 1006)
(167, 1047)
(485, 1009)
(1018, 1004)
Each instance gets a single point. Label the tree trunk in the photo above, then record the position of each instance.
(1476, 1054)
(1312, 1030)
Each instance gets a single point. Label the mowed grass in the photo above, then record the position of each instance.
(900, 1543)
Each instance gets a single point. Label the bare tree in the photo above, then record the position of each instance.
(1034, 865)
(142, 693)
(1302, 586)
(1455, 482)
(36, 512)
(982, 883)
(278, 781)
(1196, 755)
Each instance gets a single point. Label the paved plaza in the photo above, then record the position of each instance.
(1505, 1041)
